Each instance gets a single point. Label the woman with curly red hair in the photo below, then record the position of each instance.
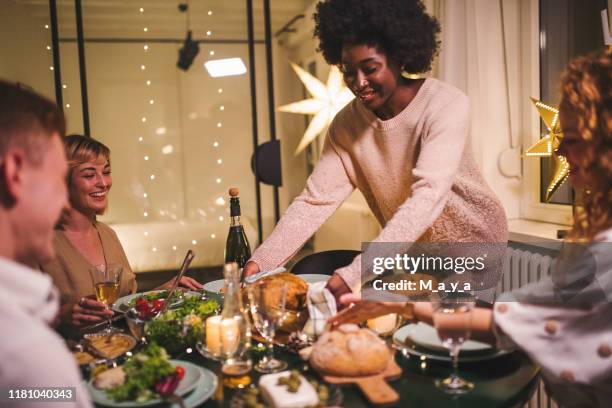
(403, 142)
(587, 140)
(562, 322)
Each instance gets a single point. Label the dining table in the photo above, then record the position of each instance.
(506, 381)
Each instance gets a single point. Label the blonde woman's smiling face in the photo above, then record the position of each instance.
(90, 183)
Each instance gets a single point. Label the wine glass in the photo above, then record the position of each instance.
(452, 318)
(267, 305)
(385, 325)
(106, 280)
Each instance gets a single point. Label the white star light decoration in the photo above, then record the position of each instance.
(326, 102)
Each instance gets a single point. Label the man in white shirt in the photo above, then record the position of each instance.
(34, 360)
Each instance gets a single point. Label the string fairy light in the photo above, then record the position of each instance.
(143, 67)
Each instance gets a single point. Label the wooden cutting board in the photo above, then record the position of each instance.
(374, 387)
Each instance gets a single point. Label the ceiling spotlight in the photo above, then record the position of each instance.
(188, 52)
(225, 67)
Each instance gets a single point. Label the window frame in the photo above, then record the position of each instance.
(530, 206)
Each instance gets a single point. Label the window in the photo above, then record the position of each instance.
(567, 29)
(553, 32)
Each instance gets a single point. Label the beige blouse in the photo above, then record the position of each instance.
(70, 270)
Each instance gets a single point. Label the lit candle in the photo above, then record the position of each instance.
(230, 336)
(213, 338)
(383, 324)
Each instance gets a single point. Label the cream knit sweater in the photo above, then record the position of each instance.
(415, 170)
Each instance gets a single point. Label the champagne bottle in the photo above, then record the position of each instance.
(237, 247)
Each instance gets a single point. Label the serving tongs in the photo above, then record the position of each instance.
(186, 262)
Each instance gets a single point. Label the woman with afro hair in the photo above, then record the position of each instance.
(403, 142)
(562, 321)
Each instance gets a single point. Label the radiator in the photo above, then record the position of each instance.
(520, 267)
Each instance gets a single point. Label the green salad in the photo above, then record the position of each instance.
(180, 328)
(143, 371)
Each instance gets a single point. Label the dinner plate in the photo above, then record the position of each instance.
(204, 390)
(314, 277)
(214, 286)
(426, 336)
(425, 354)
(196, 378)
(121, 305)
(423, 341)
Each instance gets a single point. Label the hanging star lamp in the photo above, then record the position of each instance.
(547, 146)
(326, 102)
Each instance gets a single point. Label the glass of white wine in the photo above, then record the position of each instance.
(267, 305)
(106, 280)
(452, 318)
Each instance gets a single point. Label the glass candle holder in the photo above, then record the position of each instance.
(385, 325)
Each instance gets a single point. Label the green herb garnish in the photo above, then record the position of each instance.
(143, 371)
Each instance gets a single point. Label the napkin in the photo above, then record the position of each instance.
(321, 306)
(255, 277)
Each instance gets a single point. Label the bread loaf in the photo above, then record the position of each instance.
(350, 351)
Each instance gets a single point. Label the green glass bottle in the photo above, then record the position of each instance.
(237, 248)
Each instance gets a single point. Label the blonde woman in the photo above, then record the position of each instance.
(562, 323)
(81, 241)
